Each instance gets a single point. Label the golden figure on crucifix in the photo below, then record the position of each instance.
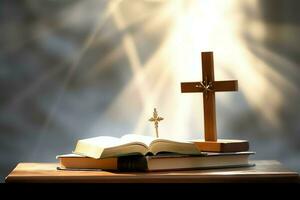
(208, 86)
(156, 119)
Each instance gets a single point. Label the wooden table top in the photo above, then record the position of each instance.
(264, 171)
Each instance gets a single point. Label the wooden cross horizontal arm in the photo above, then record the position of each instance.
(224, 86)
(218, 86)
(188, 87)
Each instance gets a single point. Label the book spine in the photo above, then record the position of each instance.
(132, 163)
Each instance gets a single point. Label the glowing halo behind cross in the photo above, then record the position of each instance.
(194, 26)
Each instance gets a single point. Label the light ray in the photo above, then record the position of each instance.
(217, 26)
(133, 57)
(72, 68)
(193, 27)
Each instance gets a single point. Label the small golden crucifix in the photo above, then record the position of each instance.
(155, 119)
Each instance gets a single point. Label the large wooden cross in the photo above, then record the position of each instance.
(208, 86)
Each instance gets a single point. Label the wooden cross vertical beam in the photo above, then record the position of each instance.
(209, 102)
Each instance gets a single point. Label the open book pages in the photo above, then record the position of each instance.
(131, 144)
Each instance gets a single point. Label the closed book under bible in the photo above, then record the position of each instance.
(155, 163)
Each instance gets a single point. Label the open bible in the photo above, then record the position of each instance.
(132, 144)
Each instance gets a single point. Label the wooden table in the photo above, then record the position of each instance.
(264, 171)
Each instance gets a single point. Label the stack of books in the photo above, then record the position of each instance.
(144, 153)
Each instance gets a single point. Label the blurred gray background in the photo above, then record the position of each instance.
(72, 69)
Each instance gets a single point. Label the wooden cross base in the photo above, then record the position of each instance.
(222, 145)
